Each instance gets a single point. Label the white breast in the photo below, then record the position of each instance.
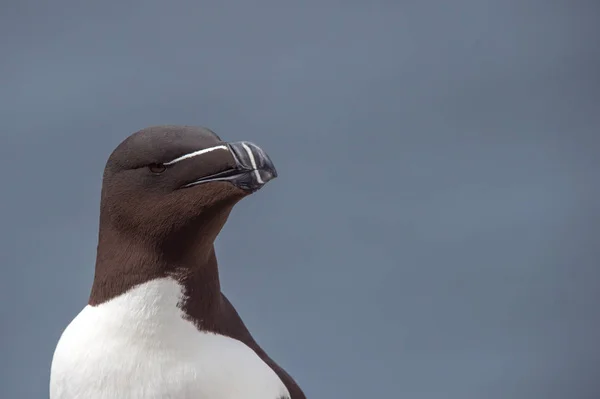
(138, 345)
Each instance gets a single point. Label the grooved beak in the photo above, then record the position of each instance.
(253, 168)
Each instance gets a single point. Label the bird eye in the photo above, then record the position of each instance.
(157, 168)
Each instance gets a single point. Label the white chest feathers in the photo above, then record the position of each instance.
(138, 345)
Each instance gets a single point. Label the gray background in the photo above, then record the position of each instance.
(434, 230)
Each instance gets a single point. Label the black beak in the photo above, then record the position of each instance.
(253, 168)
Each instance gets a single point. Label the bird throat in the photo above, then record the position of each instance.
(188, 256)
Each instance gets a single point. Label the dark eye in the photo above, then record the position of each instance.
(157, 168)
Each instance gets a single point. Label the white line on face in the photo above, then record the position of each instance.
(256, 172)
(196, 153)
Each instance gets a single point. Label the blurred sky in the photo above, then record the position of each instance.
(434, 232)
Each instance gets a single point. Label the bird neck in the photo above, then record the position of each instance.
(125, 261)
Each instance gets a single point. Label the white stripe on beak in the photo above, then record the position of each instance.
(253, 162)
(199, 152)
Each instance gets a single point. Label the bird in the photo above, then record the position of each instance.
(157, 324)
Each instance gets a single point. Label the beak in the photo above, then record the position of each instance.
(253, 168)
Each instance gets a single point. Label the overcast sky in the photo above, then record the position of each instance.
(434, 230)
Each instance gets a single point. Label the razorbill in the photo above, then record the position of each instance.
(157, 325)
